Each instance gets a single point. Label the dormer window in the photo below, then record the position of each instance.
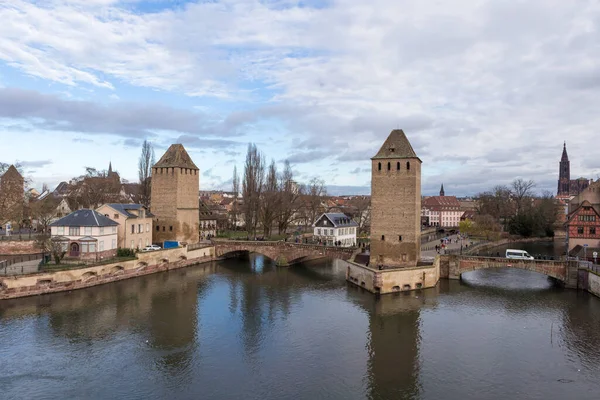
(391, 149)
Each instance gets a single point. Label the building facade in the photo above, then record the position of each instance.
(86, 234)
(135, 224)
(336, 228)
(174, 197)
(443, 211)
(583, 227)
(567, 186)
(395, 204)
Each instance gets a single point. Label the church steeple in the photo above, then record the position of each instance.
(565, 156)
(564, 173)
(442, 190)
(109, 167)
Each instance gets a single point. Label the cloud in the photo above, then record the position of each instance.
(482, 101)
(35, 164)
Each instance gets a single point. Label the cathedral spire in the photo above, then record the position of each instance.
(442, 190)
(564, 157)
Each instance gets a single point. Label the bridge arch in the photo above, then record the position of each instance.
(553, 269)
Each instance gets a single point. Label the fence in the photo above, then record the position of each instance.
(19, 236)
(18, 264)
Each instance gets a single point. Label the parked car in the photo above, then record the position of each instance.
(152, 247)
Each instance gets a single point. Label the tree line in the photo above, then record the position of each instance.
(516, 209)
(272, 198)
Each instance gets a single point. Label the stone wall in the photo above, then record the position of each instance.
(593, 283)
(392, 280)
(146, 263)
(396, 212)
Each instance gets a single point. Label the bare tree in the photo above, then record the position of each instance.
(362, 211)
(269, 200)
(145, 164)
(254, 175)
(236, 191)
(44, 212)
(289, 198)
(315, 193)
(95, 188)
(522, 193)
(55, 247)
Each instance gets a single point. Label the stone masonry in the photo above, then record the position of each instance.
(396, 204)
(174, 197)
(282, 252)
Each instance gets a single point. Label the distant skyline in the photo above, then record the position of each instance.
(486, 91)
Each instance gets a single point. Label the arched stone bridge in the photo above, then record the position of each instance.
(284, 253)
(453, 266)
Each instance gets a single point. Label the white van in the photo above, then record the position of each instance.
(518, 254)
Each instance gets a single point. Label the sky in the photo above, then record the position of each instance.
(486, 90)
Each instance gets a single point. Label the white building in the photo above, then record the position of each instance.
(332, 228)
(86, 234)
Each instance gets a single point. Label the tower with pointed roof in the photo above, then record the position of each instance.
(12, 190)
(174, 197)
(395, 204)
(442, 193)
(564, 173)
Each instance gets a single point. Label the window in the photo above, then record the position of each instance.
(170, 229)
(408, 165)
(92, 247)
(61, 230)
(319, 232)
(87, 230)
(389, 166)
(102, 230)
(116, 216)
(379, 166)
(580, 230)
(163, 228)
(592, 230)
(383, 238)
(101, 245)
(147, 241)
(132, 228)
(147, 227)
(398, 166)
(157, 228)
(331, 232)
(140, 229)
(114, 229)
(114, 244)
(400, 238)
(132, 244)
(73, 231)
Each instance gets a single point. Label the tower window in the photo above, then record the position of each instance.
(157, 228)
(400, 238)
(379, 167)
(389, 166)
(398, 165)
(170, 229)
(163, 228)
(408, 165)
(383, 238)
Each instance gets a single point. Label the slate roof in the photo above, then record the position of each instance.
(396, 146)
(85, 217)
(176, 156)
(123, 207)
(339, 220)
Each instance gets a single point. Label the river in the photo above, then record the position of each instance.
(246, 329)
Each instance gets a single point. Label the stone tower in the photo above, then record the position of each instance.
(395, 204)
(174, 197)
(564, 173)
(442, 193)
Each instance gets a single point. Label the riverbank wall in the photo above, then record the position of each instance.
(393, 280)
(146, 263)
(589, 279)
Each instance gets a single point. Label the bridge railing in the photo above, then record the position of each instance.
(282, 242)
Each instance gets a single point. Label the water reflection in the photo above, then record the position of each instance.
(247, 329)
